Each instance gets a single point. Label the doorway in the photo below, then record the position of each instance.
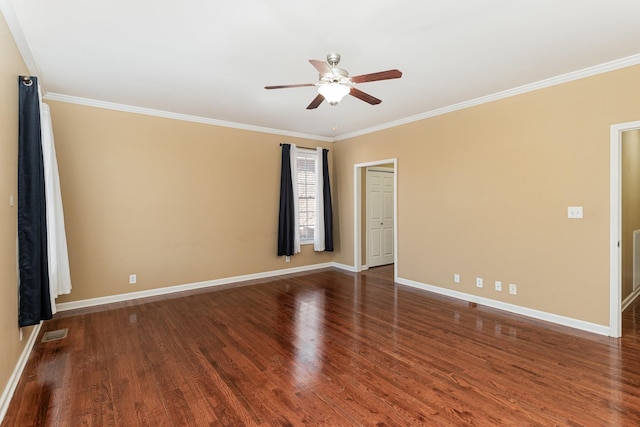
(359, 220)
(615, 232)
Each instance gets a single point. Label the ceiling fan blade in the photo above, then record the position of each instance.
(316, 102)
(382, 75)
(322, 67)
(288, 86)
(364, 96)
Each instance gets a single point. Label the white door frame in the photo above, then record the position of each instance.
(357, 213)
(615, 231)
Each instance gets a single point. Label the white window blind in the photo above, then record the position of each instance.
(306, 178)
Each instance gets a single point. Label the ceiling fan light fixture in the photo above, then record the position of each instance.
(334, 83)
(333, 92)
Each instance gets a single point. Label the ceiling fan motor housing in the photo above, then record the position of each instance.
(338, 75)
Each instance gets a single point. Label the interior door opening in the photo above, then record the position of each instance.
(359, 202)
(615, 241)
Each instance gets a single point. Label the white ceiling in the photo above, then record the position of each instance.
(211, 59)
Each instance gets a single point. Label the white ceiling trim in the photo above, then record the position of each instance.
(9, 13)
(178, 116)
(8, 10)
(553, 81)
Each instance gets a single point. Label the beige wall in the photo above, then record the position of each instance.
(484, 192)
(11, 66)
(630, 170)
(173, 202)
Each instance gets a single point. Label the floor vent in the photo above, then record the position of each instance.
(55, 335)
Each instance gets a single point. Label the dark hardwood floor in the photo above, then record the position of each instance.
(324, 348)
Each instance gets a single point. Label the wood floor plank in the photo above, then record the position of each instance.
(324, 348)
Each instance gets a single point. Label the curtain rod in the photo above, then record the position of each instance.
(26, 80)
(306, 148)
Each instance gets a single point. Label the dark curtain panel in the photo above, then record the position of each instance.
(35, 302)
(286, 219)
(328, 212)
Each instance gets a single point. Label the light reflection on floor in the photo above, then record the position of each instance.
(309, 336)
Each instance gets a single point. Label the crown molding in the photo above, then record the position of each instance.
(178, 116)
(9, 13)
(542, 84)
(553, 81)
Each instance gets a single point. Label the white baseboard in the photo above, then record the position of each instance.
(7, 394)
(190, 286)
(512, 308)
(628, 300)
(345, 267)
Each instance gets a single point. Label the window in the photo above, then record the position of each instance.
(306, 180)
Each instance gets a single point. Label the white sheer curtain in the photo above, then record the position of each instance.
(318, 233)
(58, 256)
(294, 182)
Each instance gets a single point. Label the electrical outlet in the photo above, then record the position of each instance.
(513, 289)
(574, 212)
(132, 279)
(498, 286)
(456, 278)
(479, 282)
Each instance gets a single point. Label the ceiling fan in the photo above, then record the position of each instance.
(334, 83)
